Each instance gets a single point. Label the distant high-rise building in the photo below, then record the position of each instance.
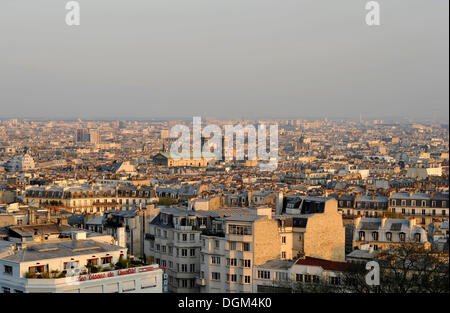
(82, 135)
(95, 137)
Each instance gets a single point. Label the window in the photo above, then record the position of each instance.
(443, 212)
(417, 237)
(375, 235)
(424, 203)
(283, 255)
(246, 279)
(107, 260)
(413, 211)
(413, 203)
(232, 245)
(231, 262)
(264, 274)
(233, 278)
(283, 240)
(192, 237)
(362, 236)
(281, 276)
(246, 246)
(184, 267)
(316, 279)
(444, 204)
(307, 278)
(183, 252)
(403, 211)
(8, 270)
(164, 249)
(403, 202)
(215, 259)
(402, 236)
(299, 277)
(215, 276)
(389, 236)
(247, 263)
(92, 262)
(192, 252)
(217, 244)
(433, 204)
(239, 230)
(335, 280)
(184, 237)
(192, 268)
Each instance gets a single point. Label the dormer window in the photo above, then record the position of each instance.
(362, 236)
(375, 235)
(389, 236)
(402, 237)
(417, 237)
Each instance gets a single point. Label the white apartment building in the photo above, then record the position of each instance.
(20, 163)
(66, 266)
(173, 241)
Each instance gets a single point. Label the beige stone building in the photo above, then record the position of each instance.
(318, 235)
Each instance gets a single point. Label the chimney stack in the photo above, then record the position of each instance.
(357, 220)
(383, 220)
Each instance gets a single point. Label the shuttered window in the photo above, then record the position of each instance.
(128, 285)
(112, 288)
(94, 289)
(148, 282)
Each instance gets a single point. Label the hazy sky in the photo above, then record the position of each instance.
(224, 58)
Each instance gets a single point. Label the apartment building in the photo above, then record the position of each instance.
(86, 199)
(174, 242)
(67, 266)
(317, 232)
(426, 207)
(229, 254)
(304, 273)
(20, 163)
(382, 233)
(127, 227)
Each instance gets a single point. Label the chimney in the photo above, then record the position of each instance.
(357, 220)
(79, 235)
(383, 220)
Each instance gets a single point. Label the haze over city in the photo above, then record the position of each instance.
(228, 59)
